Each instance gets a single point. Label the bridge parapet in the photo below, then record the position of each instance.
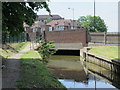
(68, 46)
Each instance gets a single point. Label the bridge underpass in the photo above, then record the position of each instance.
(68, 48)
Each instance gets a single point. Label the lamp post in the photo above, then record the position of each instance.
(94, 30)
(94, 16)
(73, 15)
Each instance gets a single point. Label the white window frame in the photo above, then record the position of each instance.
(50, 28)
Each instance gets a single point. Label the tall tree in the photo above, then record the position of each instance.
(14, 14)
(93, 24)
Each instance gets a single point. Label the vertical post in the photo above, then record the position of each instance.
(94, 16)
(0, 44)
(9, 38)
(44, 35)
(73, 18)
(95, 82)
(119, 26)
(105, 36)
(13, 38)
(17, 39)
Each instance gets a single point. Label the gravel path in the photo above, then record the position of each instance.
(10, 74)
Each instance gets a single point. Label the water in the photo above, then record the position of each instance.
(91, 83)
(73, 73)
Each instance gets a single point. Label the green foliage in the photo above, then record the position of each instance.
(48, 20)
(45, 50)
(14, 14)
(93, 26)
(31, 55)
(34, 74)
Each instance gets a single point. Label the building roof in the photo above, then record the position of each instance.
(38, 24)
(43, 17)
(63, 22)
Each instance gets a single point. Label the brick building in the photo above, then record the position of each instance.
(35, 31)
(63, 24)
(42, 18)
(60, 31)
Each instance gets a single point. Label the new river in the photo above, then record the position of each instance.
(72, 72)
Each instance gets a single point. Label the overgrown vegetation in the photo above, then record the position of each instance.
(45, 50)
(11, 48)
(34, 74)
(107, 51)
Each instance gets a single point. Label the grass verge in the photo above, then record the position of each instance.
(107, 51)
(9, 49)
(34, 74)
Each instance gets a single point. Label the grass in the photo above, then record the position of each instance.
(12, 48)
(19, 46)
(31, 55)
(111, 52)
(34, 74)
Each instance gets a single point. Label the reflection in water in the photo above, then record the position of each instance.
(89, 84)
(73, 73)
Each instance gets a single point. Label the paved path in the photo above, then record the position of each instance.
(10, 74)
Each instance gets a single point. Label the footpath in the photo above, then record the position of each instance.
(11, 72)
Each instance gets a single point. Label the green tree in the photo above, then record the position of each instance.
(14, 14)
(45, 50)
(93, 24)
(48, 20)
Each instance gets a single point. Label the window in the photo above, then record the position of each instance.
(34, 29)
(59, 28)
(73, 27)
(50, 28)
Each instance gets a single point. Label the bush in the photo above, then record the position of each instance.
(45, 50)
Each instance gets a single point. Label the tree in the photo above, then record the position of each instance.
(14, 14)
(90, 22)
(48, 20)
(45, 50)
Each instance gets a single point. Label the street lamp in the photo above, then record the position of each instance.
(73, 15)
(94, 15)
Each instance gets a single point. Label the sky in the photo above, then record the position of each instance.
(106, 9)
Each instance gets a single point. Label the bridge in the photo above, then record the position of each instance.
(68, 46)
(68, 39)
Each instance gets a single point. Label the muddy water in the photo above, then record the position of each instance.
(73, 73)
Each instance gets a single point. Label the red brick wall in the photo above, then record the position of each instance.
(69, 36)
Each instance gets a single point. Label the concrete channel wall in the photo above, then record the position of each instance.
(113, 65)
(105, 37)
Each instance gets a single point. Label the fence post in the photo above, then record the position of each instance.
(105, 36)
